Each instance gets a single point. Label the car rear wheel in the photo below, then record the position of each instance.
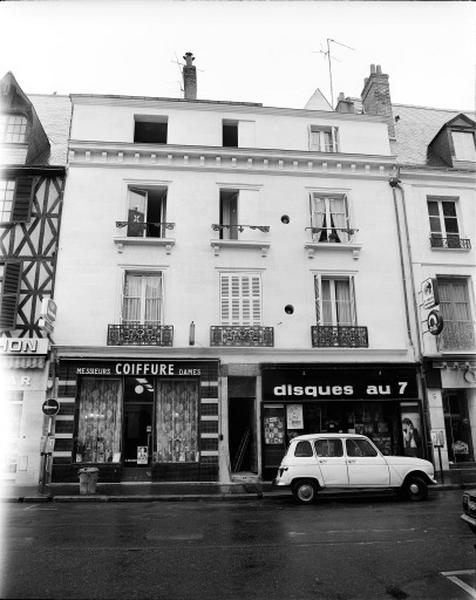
(415, 488)
(305, 491)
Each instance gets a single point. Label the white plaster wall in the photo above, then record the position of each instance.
(89, 272)
(202, 126)
(437, 423)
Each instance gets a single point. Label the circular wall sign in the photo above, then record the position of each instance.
(50, 407)
(435, 322)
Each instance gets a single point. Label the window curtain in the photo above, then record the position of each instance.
(153, 298)
(132, 296)
(142, 302)
(177, 422)
(100, 421)
(343, 302)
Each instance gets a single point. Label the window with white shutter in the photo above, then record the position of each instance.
(240, 299)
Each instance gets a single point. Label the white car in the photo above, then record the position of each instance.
(349, 461)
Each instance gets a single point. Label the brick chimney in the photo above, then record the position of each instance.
(376, 97)
(189, 78)
(345, 104)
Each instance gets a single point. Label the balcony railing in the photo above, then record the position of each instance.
(329, 235)
(241, 335)
(340, 336)
(231, 231)
(457, 336)
(453, 241)
(140, 334)
(145, 228)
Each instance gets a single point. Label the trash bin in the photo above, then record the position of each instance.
(88, 478)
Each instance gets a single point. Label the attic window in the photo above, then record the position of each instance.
(150, 129)
(230, 134)
(13, 129)
(463, 142)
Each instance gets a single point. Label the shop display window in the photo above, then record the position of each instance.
(100, 421)
(458, 427)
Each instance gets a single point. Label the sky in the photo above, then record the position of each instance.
(253, 51)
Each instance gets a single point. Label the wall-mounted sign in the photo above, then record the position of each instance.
(435, 322)
(23, 346)
(147, 368)
(50, 407)
(438, 438)
(294, 416)
(429, 292)
(344, 383)
(48, 310)
(142, 455)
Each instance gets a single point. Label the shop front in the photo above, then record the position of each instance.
(138, 420)
(381, 402)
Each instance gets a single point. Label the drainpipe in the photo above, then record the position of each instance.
(395, 184)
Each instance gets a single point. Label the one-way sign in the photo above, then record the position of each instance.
(50, 407)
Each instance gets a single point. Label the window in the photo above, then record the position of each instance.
(360, 448)
(335, 304)
(229, 214)
(329, 447)
(240, 299)
(463, 142)
(150, 130)
(458, 330)
(7, 193)
(303, 450)
(15, 199)
(230, 134)
(330, 218)
(323, 139)
(142, 298)
(13, 129)
(146, 216)
(443, 223)
(10, 273)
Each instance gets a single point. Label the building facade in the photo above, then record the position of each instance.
(31, 192)
(230, 275)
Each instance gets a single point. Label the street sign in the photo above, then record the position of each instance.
(435, 322)
(438, 438)
(50, 407)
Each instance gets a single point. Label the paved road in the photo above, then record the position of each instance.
(339, 549)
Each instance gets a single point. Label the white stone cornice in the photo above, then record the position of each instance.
(249, 160)
(425, 174)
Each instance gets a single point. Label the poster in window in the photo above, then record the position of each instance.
(273, 430)
(411, 430)
(294, 416)
(142, 455)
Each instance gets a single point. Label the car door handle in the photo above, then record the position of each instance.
(351, 461)
(323, 461)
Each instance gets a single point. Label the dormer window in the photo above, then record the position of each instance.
(463, 142)
(13, 129)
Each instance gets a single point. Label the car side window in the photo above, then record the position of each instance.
(359, 448)
(303, 449)
(329, 448)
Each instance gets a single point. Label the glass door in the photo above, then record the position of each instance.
(138, 415)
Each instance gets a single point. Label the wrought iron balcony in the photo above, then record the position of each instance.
(452, 241)
(241, 335)
(340, 336)
(231, 231)
(140, 334)
(145, 228)
(457, 336)
(329, 235)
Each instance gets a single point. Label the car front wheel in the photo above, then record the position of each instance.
(414, 488)
(305, 491)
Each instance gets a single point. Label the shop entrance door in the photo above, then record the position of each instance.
(138, 414)
(458, 427)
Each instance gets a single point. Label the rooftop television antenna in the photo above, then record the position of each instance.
(327, 53)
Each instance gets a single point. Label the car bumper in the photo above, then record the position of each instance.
(470, 520)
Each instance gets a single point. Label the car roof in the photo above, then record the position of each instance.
(318, 436)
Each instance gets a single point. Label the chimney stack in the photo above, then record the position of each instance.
(189, 78)
(376, 97)
(345, 104)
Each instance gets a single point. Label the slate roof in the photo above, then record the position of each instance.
(415, 128)
(54, 113)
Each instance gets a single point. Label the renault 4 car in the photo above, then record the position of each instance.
(349, 461)
(469, 509)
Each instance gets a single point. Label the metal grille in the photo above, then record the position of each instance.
(450, 242)
(324, 336)
(140, 335)
(241, 336)
(457, 336)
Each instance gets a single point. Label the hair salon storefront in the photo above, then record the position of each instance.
(137, 419)
(380, 401)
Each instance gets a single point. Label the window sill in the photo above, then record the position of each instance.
(120, 242)
(459, 249)
(219, 245)
(318, 246)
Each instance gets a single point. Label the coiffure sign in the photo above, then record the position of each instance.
(141, 369)
(344, 383)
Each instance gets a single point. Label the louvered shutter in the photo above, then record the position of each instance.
(240, 299)
(10, 295)
(23, 199)
(317, 296)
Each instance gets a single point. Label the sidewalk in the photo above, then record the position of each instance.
(177, 491)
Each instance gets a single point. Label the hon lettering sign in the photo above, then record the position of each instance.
(23, 346)
(345, 383)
